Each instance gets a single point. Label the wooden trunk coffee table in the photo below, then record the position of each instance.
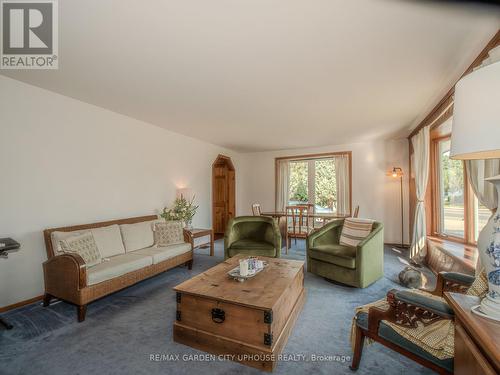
(248, 321)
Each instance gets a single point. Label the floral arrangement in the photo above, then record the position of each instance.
(181, 210)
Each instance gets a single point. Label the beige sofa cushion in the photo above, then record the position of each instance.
(168, 233)
(56, 238)
(137, 236)
(83, 245)
(117, 266)
(108, 240)
(160, 254)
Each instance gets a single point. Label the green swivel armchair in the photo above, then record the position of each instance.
(357, 266)
(252, 235)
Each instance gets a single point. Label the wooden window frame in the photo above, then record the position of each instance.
(314, 157)
(469, 225)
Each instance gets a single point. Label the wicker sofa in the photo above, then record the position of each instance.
(128, 260)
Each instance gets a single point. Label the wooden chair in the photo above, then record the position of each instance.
(356, 212)
(406, 308)
(300, 222)
(256, 211)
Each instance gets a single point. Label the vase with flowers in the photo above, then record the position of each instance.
(181, 210)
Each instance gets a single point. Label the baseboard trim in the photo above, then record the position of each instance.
(20, 304)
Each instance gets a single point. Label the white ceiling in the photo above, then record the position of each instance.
(257, 75)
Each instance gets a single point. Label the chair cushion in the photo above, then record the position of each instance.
(392, 336)
(344, 256)
(252, 244)
(117, 266)
(108, 240)
(159, 254)
(355, 230)
(83, 245)
(168, 233)
(253, 252)
(137, 236)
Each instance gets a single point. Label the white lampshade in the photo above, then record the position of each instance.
(187, 193)
(476, 115)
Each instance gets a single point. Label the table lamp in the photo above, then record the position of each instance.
(476, 135)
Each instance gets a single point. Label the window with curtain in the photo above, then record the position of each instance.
(458, 214)
(321, 180)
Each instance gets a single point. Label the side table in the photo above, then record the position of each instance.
(477, 339)
(199, 232)
(7, 245)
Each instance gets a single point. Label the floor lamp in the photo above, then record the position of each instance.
(397, 172)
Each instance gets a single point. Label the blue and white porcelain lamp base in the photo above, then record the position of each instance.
(488, 246)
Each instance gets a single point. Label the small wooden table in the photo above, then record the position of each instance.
(197, 233)
(477, 339)
(284, 226)
(248, 321)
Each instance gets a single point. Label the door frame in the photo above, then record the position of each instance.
(220, 160)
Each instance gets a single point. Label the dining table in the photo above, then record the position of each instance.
(324, 216)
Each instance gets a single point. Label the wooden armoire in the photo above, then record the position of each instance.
(223, 193)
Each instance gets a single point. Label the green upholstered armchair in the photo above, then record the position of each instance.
(252, 235)
(358, 266)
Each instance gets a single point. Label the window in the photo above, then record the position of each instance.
(298, 182)
(451, 192)
(457, 213)
(481, 217)
(321, 180)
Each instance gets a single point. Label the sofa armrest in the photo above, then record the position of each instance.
(188, 238)
(316, 234)
(452, 282)
(65, 272)
(407, 309)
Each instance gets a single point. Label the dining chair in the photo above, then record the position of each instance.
(256, 211)
(300, 222)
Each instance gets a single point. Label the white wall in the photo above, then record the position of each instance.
(66, 162)
(377, 194)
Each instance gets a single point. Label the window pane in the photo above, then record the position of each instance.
(298, 183)
(325, 186)
(481, 216)
(451, 176)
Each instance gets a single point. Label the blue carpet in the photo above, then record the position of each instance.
(124, 330)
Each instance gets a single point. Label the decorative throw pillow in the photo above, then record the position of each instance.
(479, 287)
(168, 233)
(355, 230)
(83, 245)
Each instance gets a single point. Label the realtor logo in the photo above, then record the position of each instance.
(29, 34)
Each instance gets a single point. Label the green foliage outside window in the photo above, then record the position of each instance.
(324, 178)
(326, 184)
(298, 182)
(453, 180)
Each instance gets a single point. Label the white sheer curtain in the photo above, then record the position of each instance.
(282, 185)
(342, 181)
(421, 155)
(477, 171)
